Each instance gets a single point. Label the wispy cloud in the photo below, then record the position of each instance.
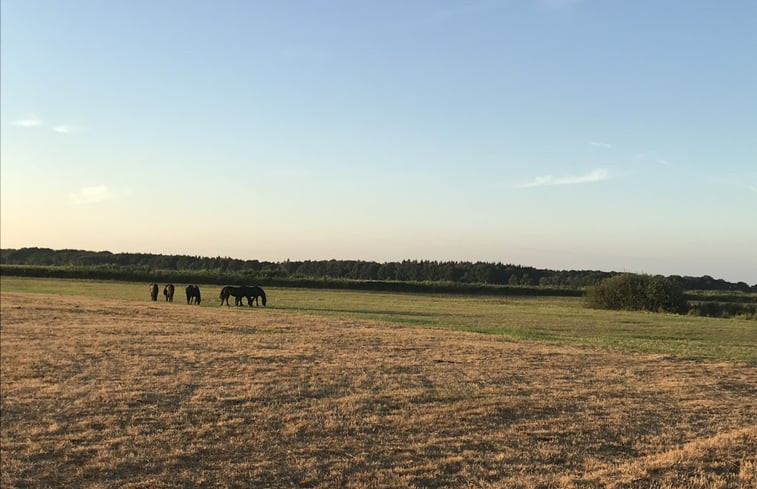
(652, 158)
(90, 195)
(599, 144)
(550, 180)
(29, 121)
(33, 121)
(64, 128)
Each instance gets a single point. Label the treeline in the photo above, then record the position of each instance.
(322, 271)
(132, 274)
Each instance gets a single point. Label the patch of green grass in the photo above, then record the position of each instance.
(552, 319)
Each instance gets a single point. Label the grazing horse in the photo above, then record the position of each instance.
(252, 292)
(168, 292)
(229, 291)
(154, 291)
(193, 294)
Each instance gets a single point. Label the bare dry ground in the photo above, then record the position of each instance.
(100, 393)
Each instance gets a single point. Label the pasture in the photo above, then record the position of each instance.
(552, 319)
(102, 388)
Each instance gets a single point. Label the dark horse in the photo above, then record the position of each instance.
(248, 291)
(229, 291)
(252, 292)
(154, 291)
(193, 294)
(168, 292)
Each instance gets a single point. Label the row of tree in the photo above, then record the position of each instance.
(404, 271)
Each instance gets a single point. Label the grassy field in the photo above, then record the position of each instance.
(555, 319)
(102, 388)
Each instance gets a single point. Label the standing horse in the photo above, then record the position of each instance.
(154, 291)
(229, 291)
(168, 292)
(252, 292)
(193, 294)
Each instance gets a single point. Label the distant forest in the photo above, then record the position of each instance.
(405, 271)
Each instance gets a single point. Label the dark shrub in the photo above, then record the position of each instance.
(637, 292)
(724, 310)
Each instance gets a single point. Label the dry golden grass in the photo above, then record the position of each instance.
(101, 393)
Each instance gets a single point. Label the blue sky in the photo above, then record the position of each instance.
(566, 134)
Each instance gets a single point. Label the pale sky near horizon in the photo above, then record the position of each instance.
(562, 134)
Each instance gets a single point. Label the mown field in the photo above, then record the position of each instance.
(102, 388)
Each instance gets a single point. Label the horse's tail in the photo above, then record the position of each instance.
(225, 293)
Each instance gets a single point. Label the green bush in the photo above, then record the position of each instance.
(637, 293)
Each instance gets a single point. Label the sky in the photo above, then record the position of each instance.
(563, 134)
